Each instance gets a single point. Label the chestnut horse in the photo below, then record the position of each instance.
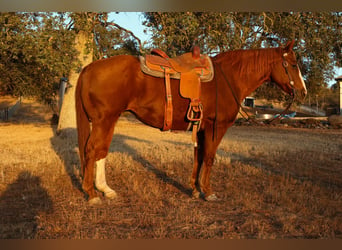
(108, 87)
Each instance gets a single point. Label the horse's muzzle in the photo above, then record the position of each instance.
(301, 94)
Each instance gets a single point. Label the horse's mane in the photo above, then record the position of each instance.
(246, 62)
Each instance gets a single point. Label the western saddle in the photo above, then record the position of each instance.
(191, 68)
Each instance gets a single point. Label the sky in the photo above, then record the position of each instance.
(133, 22)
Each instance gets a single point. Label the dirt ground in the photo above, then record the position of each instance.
(272, 182)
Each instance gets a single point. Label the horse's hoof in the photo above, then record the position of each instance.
(211, 197)
(196, 194)
(111, 195)
(95, 201)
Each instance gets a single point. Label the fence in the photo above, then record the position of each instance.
(312, 110)
(7, 112)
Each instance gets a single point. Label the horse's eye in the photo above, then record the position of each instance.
(294, 66)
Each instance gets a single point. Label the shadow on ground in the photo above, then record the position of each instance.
(21, 205)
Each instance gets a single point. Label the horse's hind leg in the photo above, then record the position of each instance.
(96, 151)
(100, 180)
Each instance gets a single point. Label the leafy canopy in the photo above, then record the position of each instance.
(37, 49)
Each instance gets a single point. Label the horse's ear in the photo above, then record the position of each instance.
(289, 46)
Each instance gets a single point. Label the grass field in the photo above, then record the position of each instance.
(271, 183)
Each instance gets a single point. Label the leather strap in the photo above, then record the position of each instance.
(195, 128)
(168, 102)
(195, 115)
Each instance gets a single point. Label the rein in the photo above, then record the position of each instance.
(235, 97)
(285, 65)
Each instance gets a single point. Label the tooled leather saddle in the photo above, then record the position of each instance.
(191, 69)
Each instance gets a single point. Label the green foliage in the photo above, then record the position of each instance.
(318, 38)
(37, 49)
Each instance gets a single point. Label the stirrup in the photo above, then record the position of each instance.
(195, 111)
(195, 115)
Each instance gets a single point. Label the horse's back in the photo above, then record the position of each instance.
(107, 70)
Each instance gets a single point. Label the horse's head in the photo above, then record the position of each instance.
(286, 73)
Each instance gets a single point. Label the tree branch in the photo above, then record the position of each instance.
(128, 31)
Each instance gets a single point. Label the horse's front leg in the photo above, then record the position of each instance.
(205, 177)
(210, 145)
(198, 160)
(195, 174)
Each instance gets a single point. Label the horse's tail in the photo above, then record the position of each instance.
(83, 126)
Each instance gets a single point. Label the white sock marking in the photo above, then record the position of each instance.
(100, 179)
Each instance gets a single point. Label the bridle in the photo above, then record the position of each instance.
(291, 83)
(286, 65)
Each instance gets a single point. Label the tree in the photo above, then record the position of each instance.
(95, 39)
(318, 36)
(35, 51)
(67, 117)
(82, 25)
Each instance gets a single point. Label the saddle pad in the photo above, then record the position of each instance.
(206, 75)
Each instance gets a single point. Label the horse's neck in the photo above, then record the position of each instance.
(248, 69)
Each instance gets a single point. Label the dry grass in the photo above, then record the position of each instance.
(271, 183)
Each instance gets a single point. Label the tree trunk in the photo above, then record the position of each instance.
(67, 117)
